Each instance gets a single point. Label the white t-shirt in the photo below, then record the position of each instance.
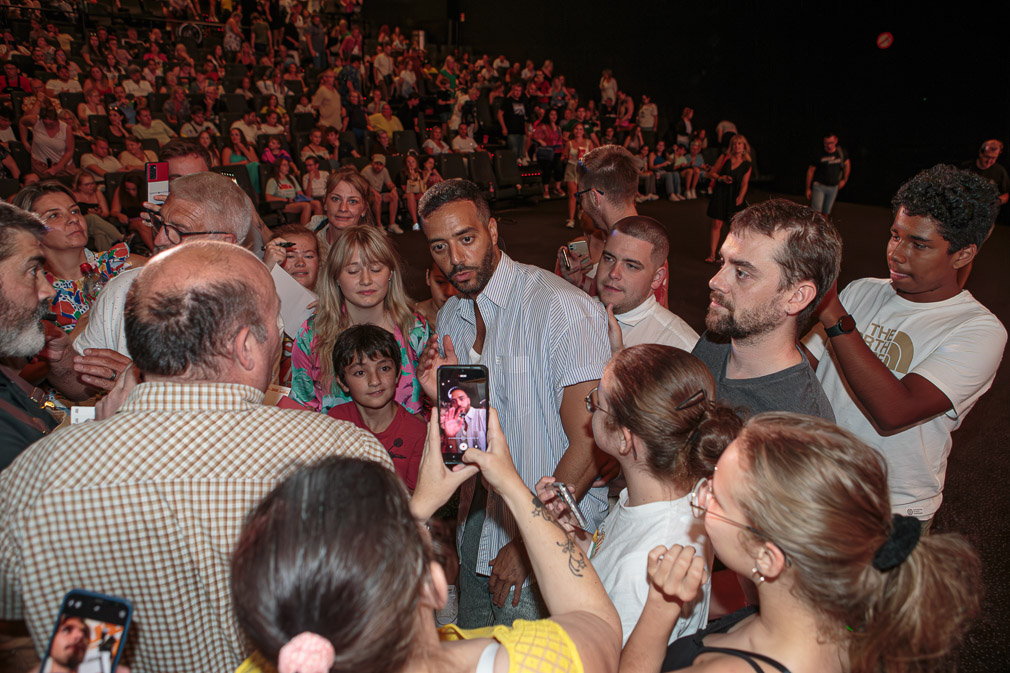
(105, 328)
(620, 553)
(464, 145)
(650, 323)
(955, 344)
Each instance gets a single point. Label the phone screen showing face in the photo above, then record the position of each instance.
(462, 410)
(89, 634)
(157, 180)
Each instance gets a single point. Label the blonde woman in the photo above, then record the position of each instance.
(361, 282)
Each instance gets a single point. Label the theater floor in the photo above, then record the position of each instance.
(976, 497)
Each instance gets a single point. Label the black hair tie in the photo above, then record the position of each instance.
(905, 532)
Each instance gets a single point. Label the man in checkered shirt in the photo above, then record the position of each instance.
(147, 504)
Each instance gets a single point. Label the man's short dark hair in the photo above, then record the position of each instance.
(14, 219)
(649, 230)
(183, 147)
(369, 342)
(450, 191)
(963, 204)
(611, 170)
(186, 330)
(811, 251)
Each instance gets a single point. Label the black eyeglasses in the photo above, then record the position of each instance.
(579, 194)
(174, 234)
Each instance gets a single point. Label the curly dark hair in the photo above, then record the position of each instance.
(963, 204)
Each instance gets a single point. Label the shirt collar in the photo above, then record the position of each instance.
(499, 288)
(165, 396)
(639, 313)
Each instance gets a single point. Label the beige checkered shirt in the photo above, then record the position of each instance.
(148, 505)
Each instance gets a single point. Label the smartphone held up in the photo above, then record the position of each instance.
(462, 410)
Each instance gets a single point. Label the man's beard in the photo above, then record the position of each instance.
(21, 333)
(741, 324)
(482, 274)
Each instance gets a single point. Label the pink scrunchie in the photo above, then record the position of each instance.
(306, 653)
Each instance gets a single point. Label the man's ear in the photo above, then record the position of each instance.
(800, 297)
(244, 347)
(658, 278)
(964, 256)
(492, 228)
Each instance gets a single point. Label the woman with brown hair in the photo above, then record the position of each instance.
(663, 453)
(803, 508)
(347, 203)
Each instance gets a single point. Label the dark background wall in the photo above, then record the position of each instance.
(783, 72)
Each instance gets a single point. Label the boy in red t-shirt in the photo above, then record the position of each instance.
(366, 360)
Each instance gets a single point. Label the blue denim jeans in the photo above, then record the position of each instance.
(822, 197)
(515, 143)
(671, 179)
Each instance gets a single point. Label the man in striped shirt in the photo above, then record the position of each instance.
(148, 503)
(544, 343)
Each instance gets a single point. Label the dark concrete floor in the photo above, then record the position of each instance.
(976, 497)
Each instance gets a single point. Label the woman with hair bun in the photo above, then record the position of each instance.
(803, 508)
(653, 412)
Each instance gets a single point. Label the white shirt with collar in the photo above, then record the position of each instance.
(650, 323)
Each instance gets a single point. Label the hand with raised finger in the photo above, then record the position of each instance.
(429, 362)
(614, 333)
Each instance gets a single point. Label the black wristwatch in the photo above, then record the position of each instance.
(845, 325)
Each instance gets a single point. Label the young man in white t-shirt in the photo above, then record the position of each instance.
(925, 350)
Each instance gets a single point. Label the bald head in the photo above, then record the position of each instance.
(204, 311)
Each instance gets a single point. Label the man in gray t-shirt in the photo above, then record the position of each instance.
(384, 191)
(778, 261)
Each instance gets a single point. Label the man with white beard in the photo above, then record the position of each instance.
(24, 298)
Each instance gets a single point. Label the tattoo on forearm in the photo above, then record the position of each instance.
(576, 559)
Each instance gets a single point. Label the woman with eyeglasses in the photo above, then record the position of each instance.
(653, 412)
(803, 508)
(77, 274)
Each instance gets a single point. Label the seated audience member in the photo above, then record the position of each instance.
(663, 453)
(778, 262)
(272, 125)
(63, 82)
(135, 157)
(383, 145)
(274, 152)
(151, 128)
(314, 181)
(102, 233)
(904, 359)
(378, 178)
(385, 120)
(405, 583)
(463, 143)
(282, 187)
(127, 204)
(632, 266)
(315, 148)
(801, 506)
(249, 125)
(135, 84)
(52, 145)
(441, 289)
(434, 144)
(646, 176)
(25, 295)
(366, 363)
(198, 123)
(78, 274)
(429, 174)
(202, 325)
(99, 160)
(361, 282)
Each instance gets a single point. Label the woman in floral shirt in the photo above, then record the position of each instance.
(361, 282)
(76, 272)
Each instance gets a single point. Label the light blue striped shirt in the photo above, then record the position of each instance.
(543, 334)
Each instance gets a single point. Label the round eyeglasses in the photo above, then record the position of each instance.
(701, 496)
(592, 403)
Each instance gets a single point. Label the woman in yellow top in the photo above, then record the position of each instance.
(353, 585)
